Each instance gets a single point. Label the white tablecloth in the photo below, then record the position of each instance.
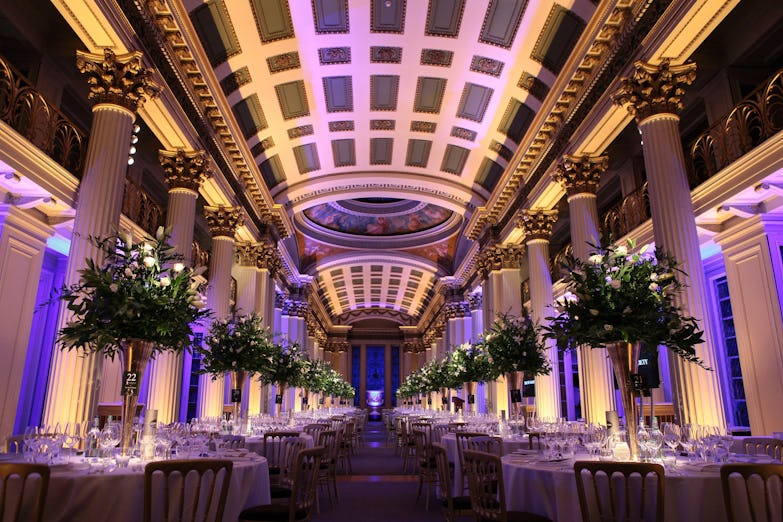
(119, 496)
(256, 444)
(549, 489)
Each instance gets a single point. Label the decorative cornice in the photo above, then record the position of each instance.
(295, 308)
(223, 221)
(475, 301)
(456, 309)
(186, 170)
(259, 255)
(353, 316)
(118, 80)
(655, 89)
(497, 257)
(580, 174)
(537, 223)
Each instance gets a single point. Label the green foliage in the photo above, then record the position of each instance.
(238, 343)
(621, 295)
(286, 366)
(141, 291)
(514, 345)
(471, 363)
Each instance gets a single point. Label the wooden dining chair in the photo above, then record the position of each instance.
(272, 449)
(764, 445)
(487, 494)
(425, 465)
(327, 471)
(752, 492)
(14, 443)
(462, 438)
(290, 448)
(304, 491)
(175, 490)
(23, 491)
(620, 491)
(451, 505)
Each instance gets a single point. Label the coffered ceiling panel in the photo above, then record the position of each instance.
(383, 101)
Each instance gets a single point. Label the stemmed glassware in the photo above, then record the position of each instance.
(110, 437)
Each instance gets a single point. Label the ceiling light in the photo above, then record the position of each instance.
(387, 3)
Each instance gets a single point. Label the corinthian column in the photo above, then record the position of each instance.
(499, 267)
(184, 172)
(653, 97)
(580, 177)
(119, 86)
(538, 229)
(223, 223)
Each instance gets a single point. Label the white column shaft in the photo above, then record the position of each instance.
(541, 299)
(696, 392)
(74, 379)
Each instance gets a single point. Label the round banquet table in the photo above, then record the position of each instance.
(449, 441)
(693, 493)
(118, 496)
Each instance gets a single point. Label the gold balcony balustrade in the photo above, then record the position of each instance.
(30, 114)
(139, 207)
(751, 122)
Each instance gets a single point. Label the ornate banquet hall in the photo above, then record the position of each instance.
(380, 182)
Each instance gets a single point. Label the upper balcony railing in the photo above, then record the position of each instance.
(755, 119)
(141, 209)
(34, 117)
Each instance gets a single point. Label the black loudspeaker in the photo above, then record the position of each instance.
(648, 368)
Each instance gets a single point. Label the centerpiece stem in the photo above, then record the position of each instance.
(515, 381)
(625, 361)
(470, 397)
(237, 379)
(134, 356)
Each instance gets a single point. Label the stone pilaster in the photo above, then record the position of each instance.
(223, 223)
(538, 229)
(184, 173)
(119, 85)
(580, 176)
(653, 96)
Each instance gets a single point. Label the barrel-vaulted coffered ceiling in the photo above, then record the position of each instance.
(381, 125)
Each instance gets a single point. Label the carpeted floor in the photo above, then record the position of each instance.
(378, 490)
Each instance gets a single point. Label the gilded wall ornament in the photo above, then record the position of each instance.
(223, 221)
(580, 174)
(537, 223)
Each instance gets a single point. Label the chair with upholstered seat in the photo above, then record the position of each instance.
(452, 506)
(764, 445)
(619, 491)
(487, 496)
(23, 489)
(299, 507)
(752, 492)
(175, 489)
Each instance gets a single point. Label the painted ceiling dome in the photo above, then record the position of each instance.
(378, 216)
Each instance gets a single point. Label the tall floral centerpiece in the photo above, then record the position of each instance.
(516, 350)
(621, 298)
(314, 379)
(285, 369)
(471, 365)
(139, 301)
(239, 346)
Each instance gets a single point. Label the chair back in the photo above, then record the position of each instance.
(462, 438)
(291, 446)
(423, 448)
(23, 491)
(426, 427)
(273, 446)
(314, 429)
(620, 491)
(305, 483)
(485, 443)
(14, 443)
(764, 445)
(330, 441)
(753, 492)
(438, 431)
(441, 457)
(485, 483)
(186, 490)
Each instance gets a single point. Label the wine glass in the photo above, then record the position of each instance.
(671, 435)
(110, 437)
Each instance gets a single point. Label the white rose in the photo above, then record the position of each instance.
(113, 287)
(654, 287)
(627, 310)
(146, 247)
(178, 267)
(654, 276)
(621, 251)
(596, 259)
(593, 312)
(615, 283)
(608, 327)
(149, 261)
(128, 272)
(165, 281)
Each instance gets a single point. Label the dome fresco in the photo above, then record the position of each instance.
(378, 217)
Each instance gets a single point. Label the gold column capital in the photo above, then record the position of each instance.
(185, 169)
(118, 80)
(537, 223)
(497, 257)
(259, 255)
(655, 89)
(580, 174)
(223, 221)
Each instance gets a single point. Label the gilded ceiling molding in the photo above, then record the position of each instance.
(580, 174)
(117, 80)
(613, 37)
(537, 223)
(185, 170)
(223, 221)
(353, 316)
(497, 257)
(655, 89)
(161, 31)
